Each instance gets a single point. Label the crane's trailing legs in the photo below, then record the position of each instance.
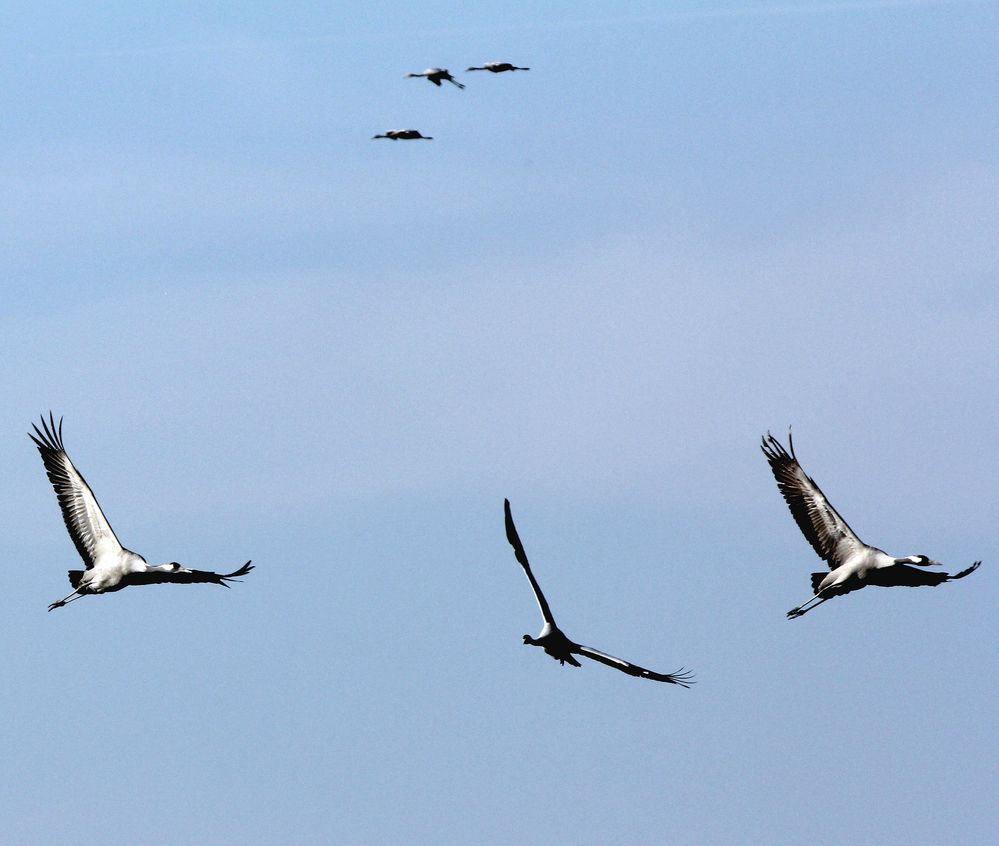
(65, 601)
(801, 609)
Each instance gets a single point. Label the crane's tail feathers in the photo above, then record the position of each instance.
(964, 573)
(816, 581)
(74, 578)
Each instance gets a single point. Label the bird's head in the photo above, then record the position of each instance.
(529, 641)
(174, 567)
(920, 561)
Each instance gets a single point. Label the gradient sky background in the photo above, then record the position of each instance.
(273, 338)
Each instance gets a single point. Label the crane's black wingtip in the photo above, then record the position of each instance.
(511, 529)
(967, 572)
(508, 519)
(50, 435)
(683, 677)
(774, 450)
(235, 574)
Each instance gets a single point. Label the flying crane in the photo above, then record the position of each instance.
(554, 641)
(404, 135)
(109, 566)
(852, 563)
(436, 75)
(497, 67)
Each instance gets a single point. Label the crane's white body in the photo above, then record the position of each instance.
(110, 568)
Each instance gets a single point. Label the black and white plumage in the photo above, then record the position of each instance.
(554, 641)
(852, 563)
(436, 76)
(109, 566)
(404, 135)
(497, 67)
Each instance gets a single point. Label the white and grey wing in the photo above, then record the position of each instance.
(828, 533)
(86, 523)
(681, 677)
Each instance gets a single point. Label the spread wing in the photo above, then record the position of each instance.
(681, 677)
(902, 575)
(86, 523)
(158, 576)
(518, 550)
(831, 538)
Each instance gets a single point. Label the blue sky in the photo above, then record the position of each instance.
(273, 338)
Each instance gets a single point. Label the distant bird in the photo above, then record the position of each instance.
(853, 563)
(497, 67)
(435, 75)
(110, 566)
(404, 135)
(554, 641)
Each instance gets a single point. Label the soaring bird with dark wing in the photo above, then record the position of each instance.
(404, 135)
(554, 641)
(436, 75)
(497, 67)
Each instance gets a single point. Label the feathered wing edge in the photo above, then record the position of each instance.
(153, 577)
(821, 524)
(682, 677)
(81, 512)
(964, 573)
(902, 575)
(518, 550)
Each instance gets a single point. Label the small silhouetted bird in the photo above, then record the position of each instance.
(436, 75)
(497, 67)
(404, 135)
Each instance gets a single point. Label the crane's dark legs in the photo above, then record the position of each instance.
(71, 598)
(802, 609)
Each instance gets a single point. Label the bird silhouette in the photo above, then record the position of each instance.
(404, 135)
(554, 641)
(497, 67)
(436, 75)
